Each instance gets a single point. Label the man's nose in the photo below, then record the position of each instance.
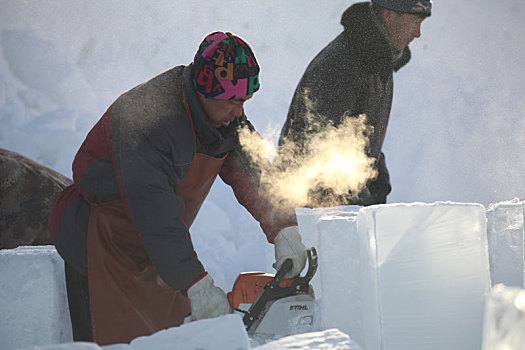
(237, 110)
(417, 31)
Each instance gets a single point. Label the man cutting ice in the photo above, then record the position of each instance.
(140, 178)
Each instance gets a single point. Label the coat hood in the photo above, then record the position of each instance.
(364, 30)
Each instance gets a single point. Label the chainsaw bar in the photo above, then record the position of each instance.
(273, 291)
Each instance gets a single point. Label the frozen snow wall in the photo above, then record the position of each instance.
(406, 276)
(505, 233)
(33, 298)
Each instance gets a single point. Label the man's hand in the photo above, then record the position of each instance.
(288, 245)
(207, 300)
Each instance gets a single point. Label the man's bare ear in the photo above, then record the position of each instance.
(388, 15)
(382, 13)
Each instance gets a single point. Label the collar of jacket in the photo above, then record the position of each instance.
(369, 40)
(208, 138)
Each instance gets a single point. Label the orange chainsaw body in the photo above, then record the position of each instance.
(249, 285)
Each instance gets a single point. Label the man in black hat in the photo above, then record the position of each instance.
(353, 75)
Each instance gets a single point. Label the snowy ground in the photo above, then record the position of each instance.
(456, 131)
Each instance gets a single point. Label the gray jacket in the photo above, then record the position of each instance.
(138, 152)
(352, 75)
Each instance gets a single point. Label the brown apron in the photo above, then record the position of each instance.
(128, 297)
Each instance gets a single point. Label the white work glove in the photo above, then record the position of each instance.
(207, 300)
(288, 245)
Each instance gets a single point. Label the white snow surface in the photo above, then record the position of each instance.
(456, 128)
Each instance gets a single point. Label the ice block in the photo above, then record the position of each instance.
(505, 233)
(504, 325)
(33, 298)
(424, 275)
(307, 219)
(339, 267)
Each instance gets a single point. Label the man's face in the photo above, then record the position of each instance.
(223, 112)
(402, 28)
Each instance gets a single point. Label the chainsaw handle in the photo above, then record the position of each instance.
(273, 291)
(312, 263)
(285, 267)
(288, 264)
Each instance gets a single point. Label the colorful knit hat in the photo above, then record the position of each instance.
(224, 68)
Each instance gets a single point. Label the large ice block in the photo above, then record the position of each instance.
(33, 299)
(307, 219)
(504, 324)
(505, 232)
(339, 268)
(424, 275)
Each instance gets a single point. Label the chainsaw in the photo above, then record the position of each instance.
(274, 307)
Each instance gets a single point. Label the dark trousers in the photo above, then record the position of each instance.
(78, 299)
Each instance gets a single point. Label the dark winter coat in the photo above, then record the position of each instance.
(352, 75)
(138, 152)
